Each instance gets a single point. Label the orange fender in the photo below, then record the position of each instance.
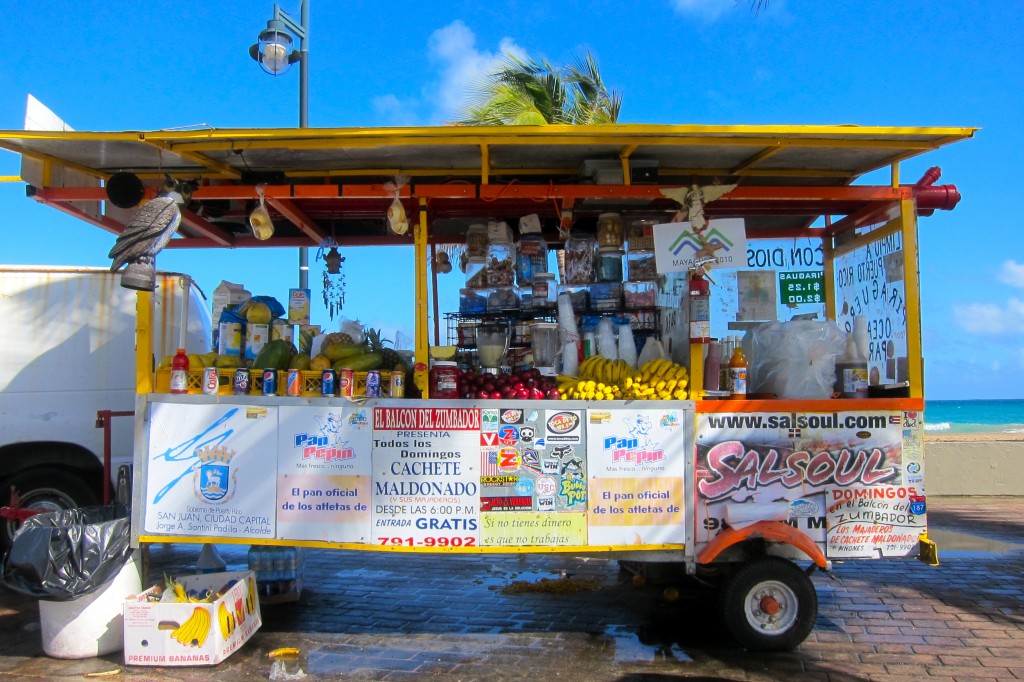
(769, 530)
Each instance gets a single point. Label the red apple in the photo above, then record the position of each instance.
(495, 395)
(522, 394)
(536, 394)
(508, 392)
(482, 394)
(553, 394)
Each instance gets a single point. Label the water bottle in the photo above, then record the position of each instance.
(281, 570)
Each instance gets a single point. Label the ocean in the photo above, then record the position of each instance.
(974, 416)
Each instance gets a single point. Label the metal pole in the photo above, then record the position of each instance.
(304, 116)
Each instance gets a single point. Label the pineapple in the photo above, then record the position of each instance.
(391, 357)
(339, 337)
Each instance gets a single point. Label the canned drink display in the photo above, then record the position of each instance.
(211, 381)
(294, 386)
(347, 382)
(327, 382)
(373, 384)
(242, 378)
(397, 384)
(270, 382)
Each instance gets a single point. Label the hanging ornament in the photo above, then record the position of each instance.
(334, 278)
(397, 220)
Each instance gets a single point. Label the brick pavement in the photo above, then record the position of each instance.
(370, 616)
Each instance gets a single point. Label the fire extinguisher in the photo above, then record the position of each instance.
(700, 309)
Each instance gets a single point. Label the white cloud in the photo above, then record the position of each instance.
(462, 66)
(395, 112)
(991, 319)
(705, 9)
(1011, 272)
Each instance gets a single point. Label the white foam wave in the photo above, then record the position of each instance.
(939, 426)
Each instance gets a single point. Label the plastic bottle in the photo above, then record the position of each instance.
(179, 372)
(738, 373)
(724, 355)
(852, 372)
(713, 366)
(860, 336)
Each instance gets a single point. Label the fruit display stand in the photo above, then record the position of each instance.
(672, 479)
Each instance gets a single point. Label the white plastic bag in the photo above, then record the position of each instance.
(606, 346)
(795, 359)
(627, 345)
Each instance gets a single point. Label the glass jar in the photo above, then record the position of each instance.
(476, 272)
(580, 259)
(609, 264)
(533, 258)
(609, 230)
(501, 264)
(545, 293)
(641, 265)
(444, 380)
(476, 241)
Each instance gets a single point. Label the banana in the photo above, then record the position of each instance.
(250, 599)
(224, 620)
(204, 628)
(283, 652)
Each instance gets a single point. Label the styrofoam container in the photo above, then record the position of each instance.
(149, 626)
(91, 625)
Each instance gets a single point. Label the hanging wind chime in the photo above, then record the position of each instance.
(334, 278)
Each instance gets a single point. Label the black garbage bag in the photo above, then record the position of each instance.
(67, 554)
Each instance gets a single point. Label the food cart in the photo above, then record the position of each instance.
(742, 491)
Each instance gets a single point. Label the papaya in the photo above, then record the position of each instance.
(276, 354)
(360, 363)
(299, 361)
(337, 351)
(320, 363)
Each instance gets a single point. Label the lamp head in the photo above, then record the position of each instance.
(274, 50)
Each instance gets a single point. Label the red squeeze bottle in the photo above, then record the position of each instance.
(179, 372)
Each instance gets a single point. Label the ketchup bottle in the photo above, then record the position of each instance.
(179, 372)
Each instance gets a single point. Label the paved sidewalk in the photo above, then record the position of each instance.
(369, 616)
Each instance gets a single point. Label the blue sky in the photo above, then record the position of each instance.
(871, 62)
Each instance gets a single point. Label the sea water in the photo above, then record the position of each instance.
(974, 416)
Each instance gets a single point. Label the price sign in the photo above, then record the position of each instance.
(802, 287)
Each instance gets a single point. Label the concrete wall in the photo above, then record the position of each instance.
(986, 467)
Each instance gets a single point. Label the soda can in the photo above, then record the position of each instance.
(373, 384)
(242, 378)
(397, 384)
(327, 382)
(270, 381)
(346, 382)
(211, 381)
(294, 386)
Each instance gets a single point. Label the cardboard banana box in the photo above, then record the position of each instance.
(180, 633)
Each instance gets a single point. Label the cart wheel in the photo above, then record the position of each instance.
(44, 491)
(769, 604)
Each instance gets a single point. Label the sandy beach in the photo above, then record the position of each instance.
(971, 437)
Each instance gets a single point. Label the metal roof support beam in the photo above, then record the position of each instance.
(207, 229)
(289, 210)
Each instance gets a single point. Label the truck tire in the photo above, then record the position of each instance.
(769, 604)
(44, 491)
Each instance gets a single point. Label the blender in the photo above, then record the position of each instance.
(545, 346)
(492, 346)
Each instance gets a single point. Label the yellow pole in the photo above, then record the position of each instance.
(422, 341)
(144, 342)
(911, 273)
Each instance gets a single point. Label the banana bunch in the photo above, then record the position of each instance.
(194, 631)
(226, 621)
(604, 379)
(659, 379)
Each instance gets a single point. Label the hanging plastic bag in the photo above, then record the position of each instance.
(606, 345)
(397, 220)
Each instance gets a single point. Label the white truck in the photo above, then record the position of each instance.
(67, 352)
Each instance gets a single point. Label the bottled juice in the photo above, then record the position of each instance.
(738, 373)
(179, 372)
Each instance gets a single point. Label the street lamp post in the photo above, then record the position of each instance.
(274, 54)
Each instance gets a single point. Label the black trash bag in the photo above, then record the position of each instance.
(67, 554)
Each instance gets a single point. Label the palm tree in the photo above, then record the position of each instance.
(527, 92)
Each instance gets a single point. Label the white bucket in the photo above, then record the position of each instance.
(92, 625)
